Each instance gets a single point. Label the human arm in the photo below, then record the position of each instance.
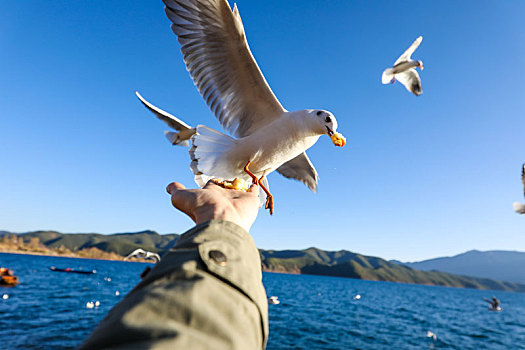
(206, 292)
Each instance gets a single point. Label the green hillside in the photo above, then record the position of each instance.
(311, 261)
(119, 243)
(343, 263)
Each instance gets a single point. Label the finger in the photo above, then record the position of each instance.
(184, 201)
(174, 186)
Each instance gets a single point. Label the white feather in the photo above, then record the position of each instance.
(519, 207)
(387, 76)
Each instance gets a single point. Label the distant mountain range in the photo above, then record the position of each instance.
(308, 261)
(343, 263)
(119, 243)
(496, 264)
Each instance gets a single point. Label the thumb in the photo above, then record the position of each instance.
(182, 199)
(174, 186)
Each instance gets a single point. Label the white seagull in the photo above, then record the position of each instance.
(431, 335)
(274, 300)
(519, 207)
(404, 70)
(143, 254)
(268, 137)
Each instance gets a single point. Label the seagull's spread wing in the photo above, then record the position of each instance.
(300, 168)
(153, 256)
(520, 207)
(221, 64)
(136, 252)
(166, 117)
(523, 178)
(410, 79)
(408, 53)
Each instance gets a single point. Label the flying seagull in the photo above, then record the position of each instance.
(267, 136)
(519, 207)
(404, 70)
(143, 254)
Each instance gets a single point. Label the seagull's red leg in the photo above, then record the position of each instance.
(254, 178)
(393, 80)
(269, 197)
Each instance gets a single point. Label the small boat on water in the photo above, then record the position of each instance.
(7, 279)
(89, 272)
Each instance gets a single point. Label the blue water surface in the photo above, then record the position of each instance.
(48, 309)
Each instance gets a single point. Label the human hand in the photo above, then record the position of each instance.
(215, 202)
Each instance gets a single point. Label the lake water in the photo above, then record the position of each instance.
(48, 310)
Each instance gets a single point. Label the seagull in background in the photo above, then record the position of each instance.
(268, 137)
(519, 207)
(274, 300)
(404, 70)
(432, 335)
(143, 254)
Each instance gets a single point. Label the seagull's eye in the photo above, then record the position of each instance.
(318, 113)
(328, 119)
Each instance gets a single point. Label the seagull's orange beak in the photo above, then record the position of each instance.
(337, 139)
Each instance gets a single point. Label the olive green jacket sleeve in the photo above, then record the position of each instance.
(206, 293)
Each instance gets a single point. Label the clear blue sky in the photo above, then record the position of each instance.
(420, 177)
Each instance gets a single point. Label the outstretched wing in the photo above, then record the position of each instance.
(302, 169)
(137, 252)
(171, 120)
(406, 56)
(523, 178)
(410, 79)
(220, 62)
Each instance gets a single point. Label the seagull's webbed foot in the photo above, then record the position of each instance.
(269, 197)
(393, 80)
(247, 170)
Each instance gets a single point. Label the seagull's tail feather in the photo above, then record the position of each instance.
(387, 76)
(518, 207)
(208, 146)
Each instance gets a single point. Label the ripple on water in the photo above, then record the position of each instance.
(47, 310)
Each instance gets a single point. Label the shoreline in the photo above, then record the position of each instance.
(72, 256)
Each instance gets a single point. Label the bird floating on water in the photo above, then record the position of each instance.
(494, 304)
(274, 300)
(431, 335)
(520, 207)
(268, 137)
(143, 254)
(404, 70)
